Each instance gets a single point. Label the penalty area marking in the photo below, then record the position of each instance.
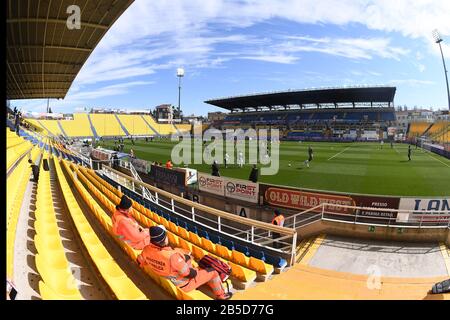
(339, 153)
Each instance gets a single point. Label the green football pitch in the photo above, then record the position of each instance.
(345, 167)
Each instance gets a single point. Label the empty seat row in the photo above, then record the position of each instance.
(58, 281)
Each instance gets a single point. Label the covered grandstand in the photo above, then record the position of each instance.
(353, 113)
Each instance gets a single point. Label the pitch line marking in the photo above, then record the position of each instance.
(438, 160)
(339, 153)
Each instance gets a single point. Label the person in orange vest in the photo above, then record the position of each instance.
(278, 220)
(169, 164)
(126, 228)
(176, 265)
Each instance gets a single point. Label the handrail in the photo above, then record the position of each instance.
(251, 237)
(213, 211)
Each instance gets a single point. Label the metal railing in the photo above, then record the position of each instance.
(145, 193)
(359, 215)
(220, 221)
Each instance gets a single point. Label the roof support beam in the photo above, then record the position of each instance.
(57, 21)
(49, 47)
(46, 62)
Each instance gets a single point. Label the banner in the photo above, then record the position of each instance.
(169, 176)
(211, 184)
(140, 165)
(376, 202)
(100, 155)
(241, 189)
(302, 200)
(424, 207)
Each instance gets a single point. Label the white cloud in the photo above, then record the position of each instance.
(353, 48)
(276, 58)
(411, 82)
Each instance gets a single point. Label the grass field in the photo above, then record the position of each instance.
(345, 167)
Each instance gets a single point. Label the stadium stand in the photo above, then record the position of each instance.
(183, 127)
(135, 125)
(106, 125)
(78, 127)
(417, 129)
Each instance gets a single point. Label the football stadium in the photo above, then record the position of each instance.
(318, 193)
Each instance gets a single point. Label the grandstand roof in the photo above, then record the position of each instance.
(382, 95)
(44, 55)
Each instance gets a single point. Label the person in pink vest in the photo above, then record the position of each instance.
(126, 228)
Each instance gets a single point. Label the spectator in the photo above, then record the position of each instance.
(254, 174)
(278, 220)
(132, 154)
(215, 169)
(175, 264)
(126, 228)
(17, 122)
(169, 164)
(34, 170)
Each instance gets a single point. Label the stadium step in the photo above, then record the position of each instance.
(148, 124)
(92, 126)
(121, 124)
(307, 248)
(62, 129)
(43, 126)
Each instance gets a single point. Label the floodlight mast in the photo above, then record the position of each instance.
(180, 74)
(438, 39)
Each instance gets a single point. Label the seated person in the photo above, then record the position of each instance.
(176, 265)
(126, 227)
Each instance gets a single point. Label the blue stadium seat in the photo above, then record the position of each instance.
(259, 254)
(228, 243)
(241, 248)
(215, 238)
(203, 233)
(277, 262)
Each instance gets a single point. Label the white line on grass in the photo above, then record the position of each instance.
(339, 153)
(438, 160)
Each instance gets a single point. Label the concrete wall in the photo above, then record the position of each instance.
(380, 233)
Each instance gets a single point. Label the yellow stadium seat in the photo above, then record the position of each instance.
(173, 227)
(173, 239)
(208, 245)
(245, 275)
(198, 253)
(239, 258)
(48, 294)
(185, 245)
(182, 232)
(260, 266)
(195, 239)
(223, 252)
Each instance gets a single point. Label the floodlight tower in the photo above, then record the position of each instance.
(180, 74)
(438, 39)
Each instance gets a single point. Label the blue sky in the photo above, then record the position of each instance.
(249, 46)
